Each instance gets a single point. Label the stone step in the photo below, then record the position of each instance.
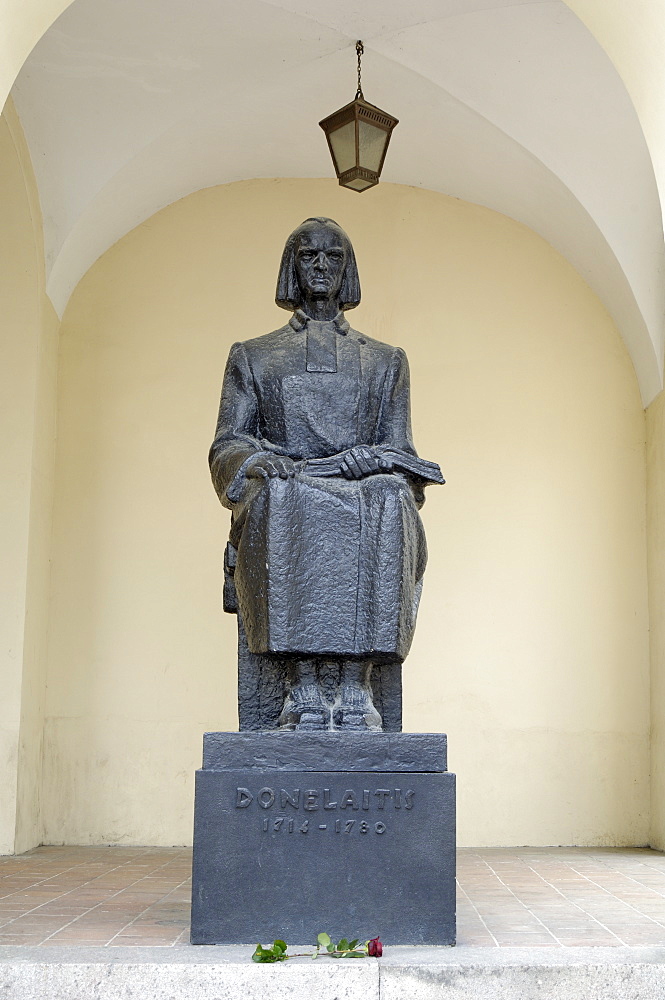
(227, 973)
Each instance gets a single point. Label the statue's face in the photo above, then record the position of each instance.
(320, 259)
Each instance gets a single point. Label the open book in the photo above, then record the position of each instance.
(426, 472)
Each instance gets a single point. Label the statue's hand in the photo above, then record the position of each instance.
(268, 466)
(363, 460)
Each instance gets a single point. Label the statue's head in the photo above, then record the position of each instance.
(318, 262)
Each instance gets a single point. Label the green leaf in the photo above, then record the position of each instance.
(330, 948)
(353, 943)
(323, 939)
(343, 945)
(263, 955)
(279, 945)
(356, 954)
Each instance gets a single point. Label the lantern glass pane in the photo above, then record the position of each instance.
(372, 142)
(343, 144)
(359, 184)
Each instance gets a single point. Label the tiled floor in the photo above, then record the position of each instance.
(571, 897)
(519, 897)
(95, 896)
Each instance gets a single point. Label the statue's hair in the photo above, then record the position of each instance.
(288, 294)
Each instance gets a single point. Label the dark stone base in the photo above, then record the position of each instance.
(325, 751)
(297, 841)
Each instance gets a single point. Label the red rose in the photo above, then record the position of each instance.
(375, 948)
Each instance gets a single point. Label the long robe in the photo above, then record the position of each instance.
(323, 565)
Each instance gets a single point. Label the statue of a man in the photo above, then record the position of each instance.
(313, 455)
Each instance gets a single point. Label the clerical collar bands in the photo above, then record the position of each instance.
(300, 319)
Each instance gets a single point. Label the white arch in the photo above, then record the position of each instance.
(113, 103)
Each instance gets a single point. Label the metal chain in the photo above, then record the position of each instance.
(359, 49)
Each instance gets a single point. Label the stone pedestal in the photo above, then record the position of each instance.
(297, 833)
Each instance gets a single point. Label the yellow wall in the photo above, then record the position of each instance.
(28, 354)
(532, 647)
(656, 535)
(29, 765)
(633, 35)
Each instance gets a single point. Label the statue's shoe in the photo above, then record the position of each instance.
(356, 709)
(304, 709)
(304, 719)
(360, 721)
(313, 719)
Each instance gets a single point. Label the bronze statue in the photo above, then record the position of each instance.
(314, 457)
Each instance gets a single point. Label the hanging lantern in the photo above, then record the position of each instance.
(358, 137)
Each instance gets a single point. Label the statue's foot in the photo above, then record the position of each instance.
(304, 709)
(356, 709)
(313, 719)
(358, 721)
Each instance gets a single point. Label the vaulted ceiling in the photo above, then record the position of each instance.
(128, 105)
